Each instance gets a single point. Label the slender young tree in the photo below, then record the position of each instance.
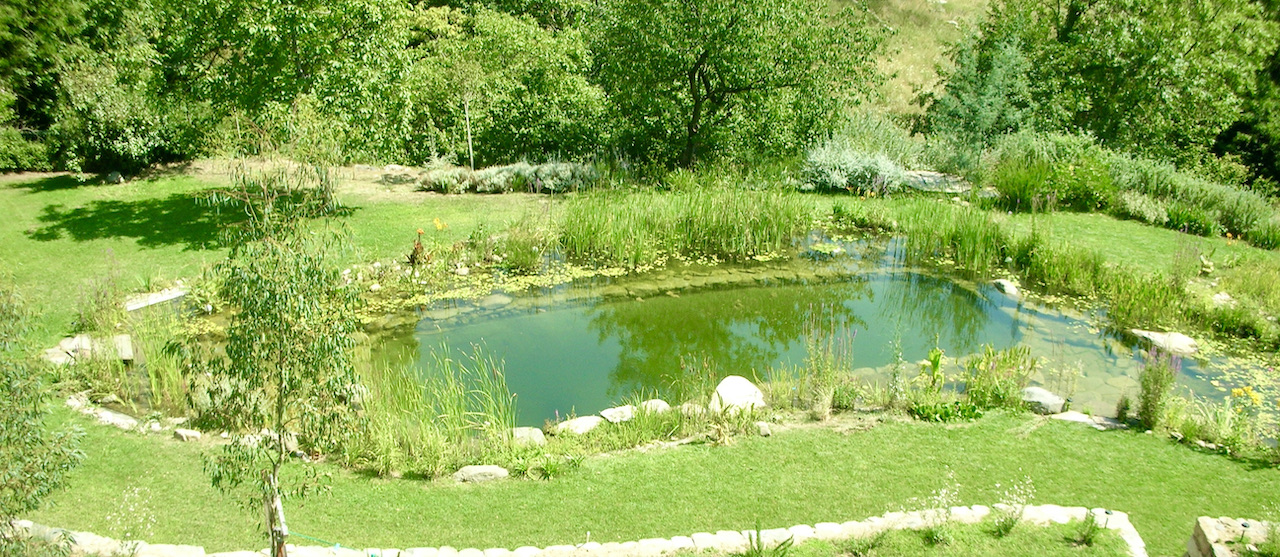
(286, 382)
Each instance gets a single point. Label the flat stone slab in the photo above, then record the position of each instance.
(1041, 401)
(477, 473)
(935, 182)
(135, 303)
(1173, 343)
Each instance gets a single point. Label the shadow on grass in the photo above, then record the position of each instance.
(55, 183)
(179, 219)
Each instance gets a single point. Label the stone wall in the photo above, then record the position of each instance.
(723, 541)
(1212, 536)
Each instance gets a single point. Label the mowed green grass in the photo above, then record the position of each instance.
(801, 476)
(60, 236)
(1143, 247)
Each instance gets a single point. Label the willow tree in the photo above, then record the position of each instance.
(686, 77)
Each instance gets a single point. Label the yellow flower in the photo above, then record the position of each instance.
(440, 225)
(1237, 392)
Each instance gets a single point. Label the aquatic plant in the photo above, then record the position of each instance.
(1155, 380)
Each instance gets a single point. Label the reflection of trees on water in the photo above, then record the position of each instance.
(741, 330)
(933, 305)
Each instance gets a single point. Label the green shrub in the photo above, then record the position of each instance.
(862, 215)
(1192, 219)
(1141, 207)
(1155, 380)
(17, 153)
(518, 177)
(1123, 407)
(873, 132)
(1046, 171)
(945, 411)
(1196, 200)
(837, 165)
(995, 379)
(1265, 234)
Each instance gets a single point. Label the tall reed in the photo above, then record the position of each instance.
(640, 228)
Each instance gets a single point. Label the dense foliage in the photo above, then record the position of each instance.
(33, 460)
(1155, 78)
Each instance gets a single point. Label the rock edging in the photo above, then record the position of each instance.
(723, 540)
(1211, 535)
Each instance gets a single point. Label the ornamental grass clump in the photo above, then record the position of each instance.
(1156, 379)
(836, 165)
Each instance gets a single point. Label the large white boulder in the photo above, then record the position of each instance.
(619, 414)
(736, 393)
(530, 436)
(580, 425)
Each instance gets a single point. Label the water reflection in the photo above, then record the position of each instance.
(744, 330)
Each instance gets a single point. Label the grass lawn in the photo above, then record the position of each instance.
(1130, 243)
(61, 235)
(801, 476)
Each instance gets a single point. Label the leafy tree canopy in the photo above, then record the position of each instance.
(681, 74)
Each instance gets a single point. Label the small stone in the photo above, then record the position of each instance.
(827, 531)
(375, 287)
(462, 271)
(703, 541)
(579, 426)
(682, 542)
(57, 357)
(525, 551)
(801, 532)
(764, 429)
(155, 427)
(186, 435)
(497, 552)
(655, 406)
(528, 436)
(476, 473)
(619, 414)
(115, 178)
(470, 552)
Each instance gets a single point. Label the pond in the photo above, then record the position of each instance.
(584, 347)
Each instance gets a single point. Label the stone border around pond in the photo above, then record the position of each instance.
(724, 540)
(1211, 535)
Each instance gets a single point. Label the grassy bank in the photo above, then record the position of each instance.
(64, 239)
(795, 477)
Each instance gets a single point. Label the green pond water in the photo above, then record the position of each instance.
(585, 347)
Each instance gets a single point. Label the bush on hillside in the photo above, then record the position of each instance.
(837, 165)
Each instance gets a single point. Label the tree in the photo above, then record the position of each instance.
(1155, 78)
(286, 381)
(686, 77)
(520, 89)
(33, 461)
